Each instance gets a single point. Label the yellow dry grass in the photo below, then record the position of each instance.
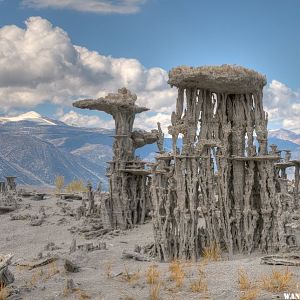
(154, 291)
(76, 186)
(81, 294)
(199, 285)
(130, 277)
(59, 183)
(152, 275)
(4, 292)
(243, 280)
(248, 288)
(212, 253)
(52, 270)
(277, 281)
(177, 273)
(250, 294)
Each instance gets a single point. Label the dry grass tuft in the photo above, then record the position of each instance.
(52, 270)
(249, 289)
(153, 279)
(154, 291)
(243, 280)
(177, 273)
(76, 186)
(59, 183)
(153, 275)
(250, 294)
(4, 292)
(199, 285)
(212, 253)
(130, 277)
(278, 281)
(82, 295)
(108, 270)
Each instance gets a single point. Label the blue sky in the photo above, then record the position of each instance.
(158, 34)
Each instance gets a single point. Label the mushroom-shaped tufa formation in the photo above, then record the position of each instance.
(129, 185)
(225, 78)
(112, 103)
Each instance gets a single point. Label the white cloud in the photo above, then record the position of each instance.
(94, 6)
(282, 105)
(75, 119)
(40, 64)
(147, 121)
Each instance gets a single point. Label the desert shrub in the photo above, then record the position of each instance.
(130, 277)
(4, 292)
(199, 285)
(277, 281)
(154, 291)
(212, 252)
(76, 186)
(177, 273)
(59, 183)
(243, 280)
(152, 275)
(250, 294)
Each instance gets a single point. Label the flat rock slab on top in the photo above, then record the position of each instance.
(225, 78)
(112, 103)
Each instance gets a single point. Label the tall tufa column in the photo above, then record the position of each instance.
(128, 179)
(218, 172)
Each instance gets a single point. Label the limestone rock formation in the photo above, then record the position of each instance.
(218, 172)
(129, 183)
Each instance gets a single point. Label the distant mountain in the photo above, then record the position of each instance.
(36, 149)
(285, 134)
(29, 116)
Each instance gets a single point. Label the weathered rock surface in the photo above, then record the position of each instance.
(129, 185)
(219, 173)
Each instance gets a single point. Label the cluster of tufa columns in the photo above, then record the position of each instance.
(219, 172)
(129, 199)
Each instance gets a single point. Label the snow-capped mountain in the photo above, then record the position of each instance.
(30, 116)
(36, 149)
(285, 134)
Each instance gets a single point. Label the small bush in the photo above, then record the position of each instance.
(243, 280)
(249, 294)
(4, 292)
(82, 295)
(199, 285)
(130, 277)
(154, 291)
(59, 183)
(76, 186)
(278, 281)
(212, 253)
(177, 273)
(152, 275)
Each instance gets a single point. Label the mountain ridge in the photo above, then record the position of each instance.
(37, 151)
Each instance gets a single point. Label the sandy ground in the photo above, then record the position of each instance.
(97, 277)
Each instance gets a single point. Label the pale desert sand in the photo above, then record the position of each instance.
(47, 282)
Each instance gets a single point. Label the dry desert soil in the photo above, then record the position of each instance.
(104, 274)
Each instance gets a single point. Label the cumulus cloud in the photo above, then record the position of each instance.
(94, 6)
(148, 121)
(76, 119)
(282, 105)
(40, 64)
